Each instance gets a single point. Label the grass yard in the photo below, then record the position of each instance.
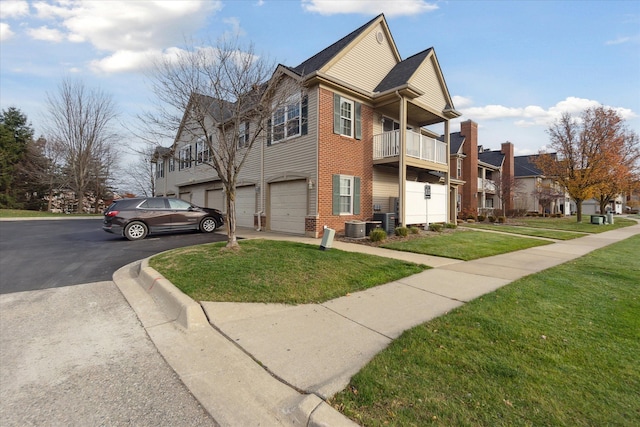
(561, 347)
(570, 223)
(527, 231)
(275, 272)
(465, 245)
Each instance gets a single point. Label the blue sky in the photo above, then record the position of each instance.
(511, 66)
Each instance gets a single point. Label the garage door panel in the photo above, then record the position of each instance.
(245, 206)
(288, 206)
(215, 200)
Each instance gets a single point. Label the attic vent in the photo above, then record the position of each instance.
(380, 37)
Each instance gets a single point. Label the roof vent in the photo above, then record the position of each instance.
(380, 37)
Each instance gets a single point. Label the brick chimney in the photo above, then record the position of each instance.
(469, 130)
(508, 171)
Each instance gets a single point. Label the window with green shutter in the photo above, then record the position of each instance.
(346, 195)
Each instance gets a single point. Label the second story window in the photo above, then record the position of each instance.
(287, 120)
(347, 117)
(203, 155)
(160, 169)
(243, 135)
(459, 172)
(184, 157)
(172, 164)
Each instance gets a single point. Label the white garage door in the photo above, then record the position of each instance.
(288, 206)
(245, 205)
(215, 199)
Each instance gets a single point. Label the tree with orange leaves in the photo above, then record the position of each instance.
(595, 156)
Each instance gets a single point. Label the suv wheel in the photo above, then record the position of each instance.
(208, 224)
(135, 230)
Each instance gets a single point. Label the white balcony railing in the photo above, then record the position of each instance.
(486, 185)
(419, 146)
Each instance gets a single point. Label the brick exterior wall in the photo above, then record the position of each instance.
(338, 154)
(469, 130)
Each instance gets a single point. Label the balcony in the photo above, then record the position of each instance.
(387, 145)
(486, 186)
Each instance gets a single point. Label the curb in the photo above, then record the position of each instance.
(188, 315)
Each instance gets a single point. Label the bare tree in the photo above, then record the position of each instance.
(547, 193)
(222, 96)
(80, 119)
(506, 188)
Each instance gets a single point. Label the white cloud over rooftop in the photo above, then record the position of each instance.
(367, 7)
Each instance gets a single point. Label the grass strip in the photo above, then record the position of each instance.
(465, 245)
(275, 272)
(570, 224)
(528, 231)
(561, 347)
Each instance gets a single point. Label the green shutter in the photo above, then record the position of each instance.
(268, 132)
(358, 130)
(336, 113)
(305, 112)
(336, 194)
(356, 195)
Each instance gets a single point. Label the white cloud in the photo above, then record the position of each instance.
(461, 101)
(367, 7)
(124, 60)
(534, 115)
(619, 40)
(47, 34)
(236, 29)
(5, 31)
(13, 9)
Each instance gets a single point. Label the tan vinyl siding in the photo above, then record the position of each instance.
(427, 79)
(367, 63)
(296, 156)
(385, 186)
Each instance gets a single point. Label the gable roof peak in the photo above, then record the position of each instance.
(317, 61)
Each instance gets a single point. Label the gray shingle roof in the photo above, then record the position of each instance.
(524, 166)
(455, 142)
(402, 72)
(494, 158)
(318, 60)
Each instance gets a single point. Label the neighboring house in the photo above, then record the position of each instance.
(478, 172)
(536, 193)
(354, 144)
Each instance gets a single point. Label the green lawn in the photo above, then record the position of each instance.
(465, 245)
(275, 272)
(561, 347)
(570, 223)
(527, 231)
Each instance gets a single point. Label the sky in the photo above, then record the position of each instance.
(513, 67)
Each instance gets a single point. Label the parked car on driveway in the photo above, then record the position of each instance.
(136, 218)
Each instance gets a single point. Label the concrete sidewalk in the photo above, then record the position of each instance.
(274, 364)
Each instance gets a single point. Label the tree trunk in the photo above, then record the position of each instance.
(579, 209)
(232, 242)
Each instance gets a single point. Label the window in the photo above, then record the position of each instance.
(287, 121)
(184, 157)
(346, 195)
(347, 117)
(160, 169)
(179, 204)
(243, 135)
(203, 155)
(172, 164)
(459, 172)
(155, 203)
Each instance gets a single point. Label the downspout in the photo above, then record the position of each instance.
(261, 184)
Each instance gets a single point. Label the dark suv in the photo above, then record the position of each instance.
(135, 218)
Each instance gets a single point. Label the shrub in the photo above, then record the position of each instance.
(414, 230)
(435, 227)
(402, 231)
(471, 220)
(492, 218)
(451, 225)
(502, 219)
(377, 235)
(481, 218)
